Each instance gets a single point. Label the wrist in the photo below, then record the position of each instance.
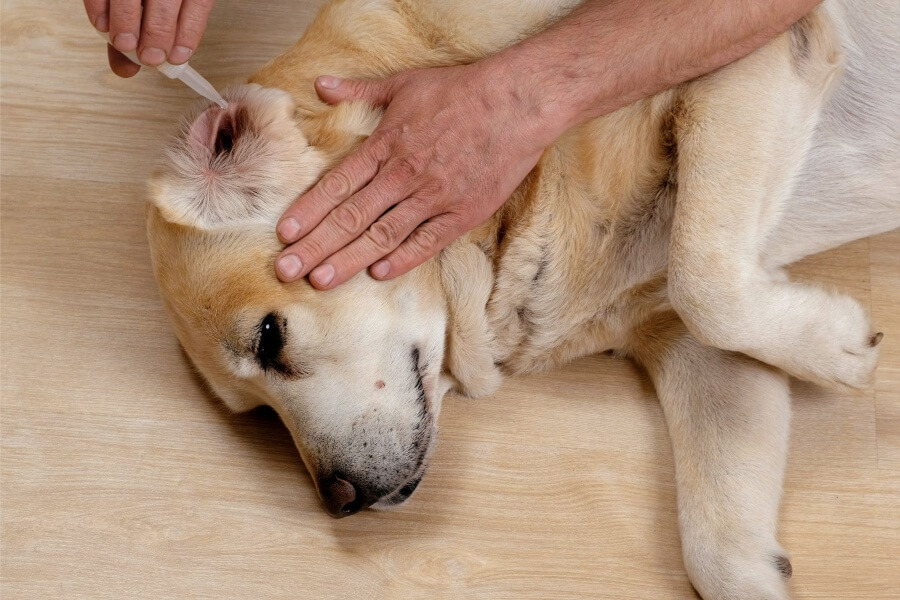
(547, 86)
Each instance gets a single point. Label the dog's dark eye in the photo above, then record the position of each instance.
(270, 342)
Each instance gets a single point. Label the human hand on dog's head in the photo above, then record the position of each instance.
(453, 144)
(158, 30)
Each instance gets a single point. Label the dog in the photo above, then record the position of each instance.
(658, 231)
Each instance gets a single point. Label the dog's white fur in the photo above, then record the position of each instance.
(658, 231)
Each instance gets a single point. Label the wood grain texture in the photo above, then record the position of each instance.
(123, 478)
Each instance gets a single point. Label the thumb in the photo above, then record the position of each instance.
(374, 91)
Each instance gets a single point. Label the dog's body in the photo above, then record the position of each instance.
(643, 232)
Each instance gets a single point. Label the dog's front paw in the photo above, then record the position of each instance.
(844, 345)
(740, 576)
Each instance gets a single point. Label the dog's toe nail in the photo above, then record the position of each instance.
(783, 564)
(876, 339)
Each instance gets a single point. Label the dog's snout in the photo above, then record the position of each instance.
(340, 497)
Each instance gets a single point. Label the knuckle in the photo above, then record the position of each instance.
(189, 30)
(378, 145)
(127, 18)
(426, 238)
(356, 86)
(192, 20)
(384, 235)
(349, 218)
(377, 150)
(364, 87)
(309, 249)
(436, 187)
(388, 135)
(336, 184)
(410, 165)
(158, 28)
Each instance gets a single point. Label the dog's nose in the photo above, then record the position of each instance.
(340, 497)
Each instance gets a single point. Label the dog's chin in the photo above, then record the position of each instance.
(405, 491)
(401, 495)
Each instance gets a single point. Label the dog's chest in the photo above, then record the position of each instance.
(577, 260)
(566, 288)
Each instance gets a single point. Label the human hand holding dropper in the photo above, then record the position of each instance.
(159, 30)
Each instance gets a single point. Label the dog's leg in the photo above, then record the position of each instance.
(742, 137)
(728, 417)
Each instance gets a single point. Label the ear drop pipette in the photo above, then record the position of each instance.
(185, 73)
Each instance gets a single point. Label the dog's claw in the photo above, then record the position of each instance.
(783, 564)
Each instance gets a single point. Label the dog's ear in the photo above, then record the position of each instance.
(467, 279)
(216, 130)
(242, 164)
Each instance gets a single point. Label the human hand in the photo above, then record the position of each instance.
(159, 30)
(453, 144)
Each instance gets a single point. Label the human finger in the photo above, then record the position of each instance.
(354, 172)
(158, 25)
(125, 24)
(382, 236)
(98, 14)
(346, 222)
(424, 242)
(191, 25)
(374, 91)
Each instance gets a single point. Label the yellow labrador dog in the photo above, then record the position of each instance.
(658, 231)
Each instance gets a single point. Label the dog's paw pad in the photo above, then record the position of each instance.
(783, 565)
(876, 339)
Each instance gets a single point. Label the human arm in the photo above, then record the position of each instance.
(454, 142)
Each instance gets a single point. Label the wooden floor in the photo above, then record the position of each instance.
(123, 478)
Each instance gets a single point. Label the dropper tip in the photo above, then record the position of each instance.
(196, 82)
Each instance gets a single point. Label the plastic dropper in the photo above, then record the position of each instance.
(185, 73)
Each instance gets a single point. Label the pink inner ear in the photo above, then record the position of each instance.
(215, 128)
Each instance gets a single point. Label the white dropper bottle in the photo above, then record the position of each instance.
(185, 73)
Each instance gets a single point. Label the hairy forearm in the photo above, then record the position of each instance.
(609, 53)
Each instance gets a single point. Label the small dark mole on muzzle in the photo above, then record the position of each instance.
(379, 384)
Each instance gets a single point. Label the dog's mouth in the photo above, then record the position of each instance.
(424, 438)
(405, 490)
(403, 493)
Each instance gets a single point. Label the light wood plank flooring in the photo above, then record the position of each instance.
(123, 478)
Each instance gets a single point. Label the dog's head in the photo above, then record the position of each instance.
(354, 372)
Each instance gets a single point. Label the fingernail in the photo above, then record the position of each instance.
(289, 265)
(125, 42)
(328, 82)
(381, 269)
(323, 274)
(152, 56)
(179, 54)
(102, 23)
(288, 230)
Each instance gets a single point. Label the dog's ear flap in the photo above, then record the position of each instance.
(467, 278)
(240, 165)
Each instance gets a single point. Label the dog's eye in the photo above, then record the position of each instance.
(270, 342)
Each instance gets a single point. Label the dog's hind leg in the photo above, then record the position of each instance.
(728, 417)
(742, 134)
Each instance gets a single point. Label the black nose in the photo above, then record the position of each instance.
(340, 497)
